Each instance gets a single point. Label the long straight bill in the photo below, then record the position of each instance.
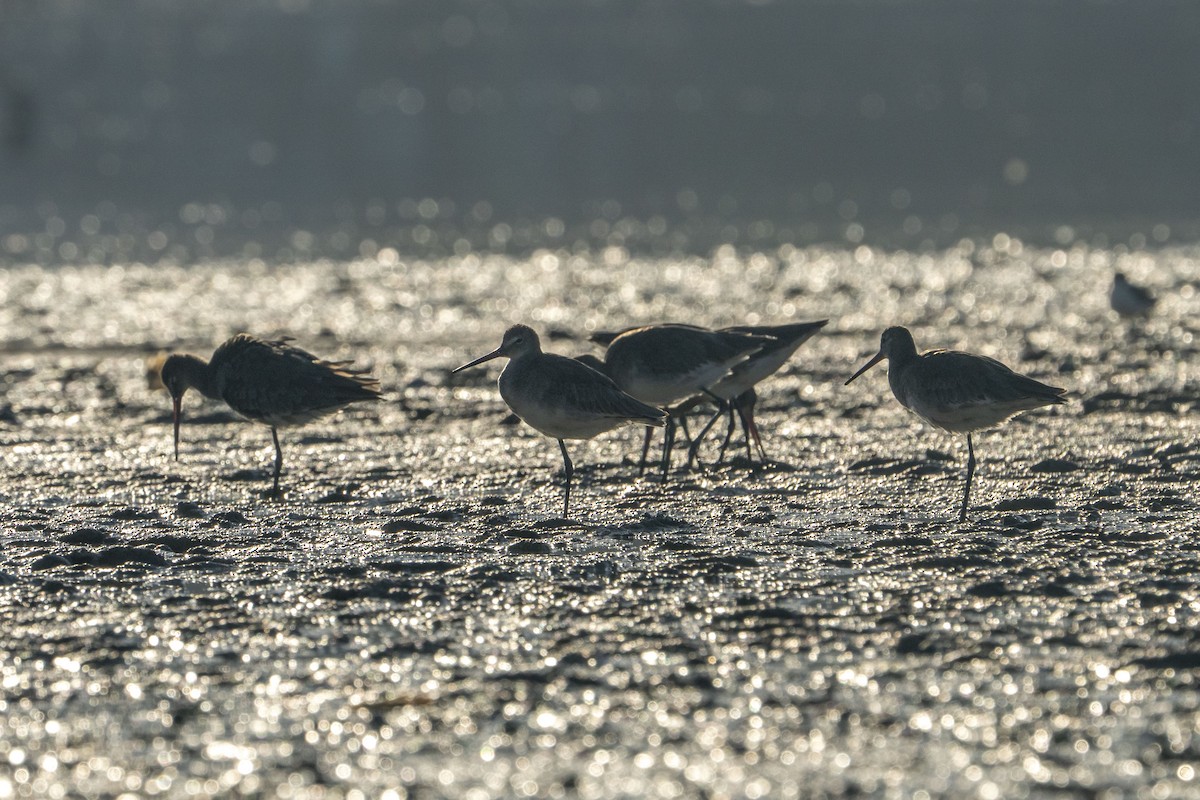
(878, 357)
(494, 354)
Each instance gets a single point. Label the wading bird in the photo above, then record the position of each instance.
(1129, 300)
(957, 392)
(735, 392)
(665, 364)
(561, 397)
(270, 382)
(737, 388)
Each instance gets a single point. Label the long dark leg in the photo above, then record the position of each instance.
(746, 403)
(645, 452)
(568, 468)
(694, 449)
(962, 515)
(278, 461)
(683, 425)
(668, 442)
(728, 436)
(737, 406)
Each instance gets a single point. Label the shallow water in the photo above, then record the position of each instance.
(414, 621)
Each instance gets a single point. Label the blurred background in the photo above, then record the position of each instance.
(288, 129)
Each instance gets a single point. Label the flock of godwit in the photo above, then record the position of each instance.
(649, 376)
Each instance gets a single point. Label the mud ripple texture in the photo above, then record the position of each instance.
(414, 621)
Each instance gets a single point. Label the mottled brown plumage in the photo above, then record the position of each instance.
(271, 382)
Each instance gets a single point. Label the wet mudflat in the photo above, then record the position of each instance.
(413, 620)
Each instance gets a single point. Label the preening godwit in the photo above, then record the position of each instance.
(561, 397)
(270, 382)
(664, 364)
(1129, 300)
(957, 392)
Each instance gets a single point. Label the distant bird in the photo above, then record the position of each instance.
(665, 364)
(737, 388)
(1129, 300)
(561, 397)
(270, 382)
(957, 392)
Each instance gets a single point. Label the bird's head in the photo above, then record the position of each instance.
(518, 340)
(896, 342)
(177, 375)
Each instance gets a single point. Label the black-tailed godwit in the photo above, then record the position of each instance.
(957, 392)
(665, 364)
(271, 382)
(737, 388)
(561, 397)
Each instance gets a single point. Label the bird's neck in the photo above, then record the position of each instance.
(528, 355)
(197, 374)
(898, 361)
(901, 355)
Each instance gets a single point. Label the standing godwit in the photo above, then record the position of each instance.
(270, 382)
(664, 364)
(957, 392)
(1129, 300)
(560, 397)
(737, 388)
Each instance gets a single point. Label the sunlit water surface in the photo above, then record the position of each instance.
(413, 620)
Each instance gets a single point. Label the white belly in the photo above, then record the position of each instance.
(563, 425)
(966, 418)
